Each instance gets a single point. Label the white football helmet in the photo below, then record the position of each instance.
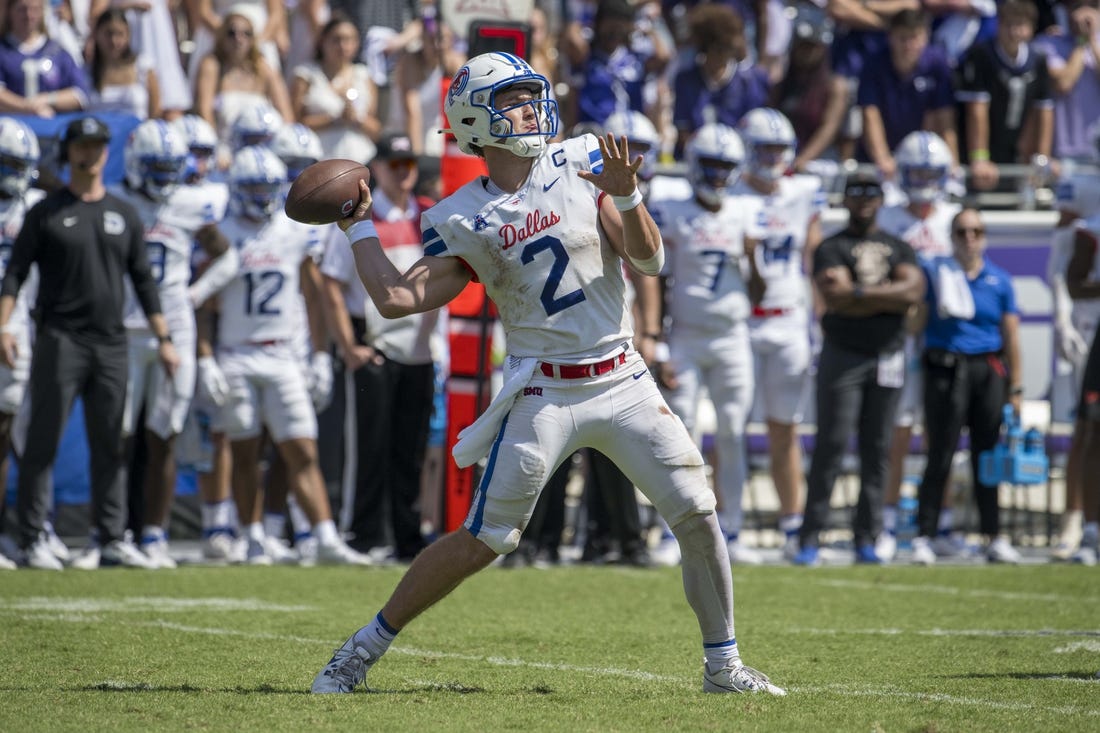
(19, 154)
(298, 147)
(642, 136)
(769, 142)
(256, 125)
(202, 141)
(713, 155)
(155, 158)
(476, 121)
(924, 165)
(256, 181)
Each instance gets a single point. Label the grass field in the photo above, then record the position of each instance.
(565, 649)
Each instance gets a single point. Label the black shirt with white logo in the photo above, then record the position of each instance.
(83, 250)
(871, 259)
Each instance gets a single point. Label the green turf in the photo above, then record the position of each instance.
(567, 649)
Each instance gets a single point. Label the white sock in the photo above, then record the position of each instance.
(217, 516)
(789, 524)
(890, 518)
(947, 522)
(254, 532)
(722, 655)
(275, 525)
(376, 636)
(298, 519)
(326, 533)
(151, 533)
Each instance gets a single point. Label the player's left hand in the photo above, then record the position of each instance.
(619, 176)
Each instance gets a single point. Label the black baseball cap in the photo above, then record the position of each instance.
(395, 146)
(86, 128)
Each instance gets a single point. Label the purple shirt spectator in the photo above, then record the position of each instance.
(610, 83)
(697, 103)
(48, 69)
(1077, 111)
(851, 48)
(904, 102)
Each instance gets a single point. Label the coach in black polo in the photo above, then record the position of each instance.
(83, 241)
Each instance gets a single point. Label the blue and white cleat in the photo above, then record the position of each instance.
(345, 671)
(739, 679)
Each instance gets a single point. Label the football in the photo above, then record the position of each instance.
(326, 191)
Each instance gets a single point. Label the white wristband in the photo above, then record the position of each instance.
(361, 230)
(626, 203)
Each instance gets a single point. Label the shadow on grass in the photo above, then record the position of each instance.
(142, 687)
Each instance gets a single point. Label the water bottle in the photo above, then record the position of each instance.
(907, 521)
(1033, 441)
(1012, 429)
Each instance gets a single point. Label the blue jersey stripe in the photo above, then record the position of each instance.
(435, 248)
(595, 161)
(479, 513)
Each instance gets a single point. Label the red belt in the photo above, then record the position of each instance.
(271, 342)
(758, 312)
(580, 371)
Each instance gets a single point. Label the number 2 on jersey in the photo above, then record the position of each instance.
(551, 303)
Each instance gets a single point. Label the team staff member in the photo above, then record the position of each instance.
(869, 280)
(971, 357)
(84, 240)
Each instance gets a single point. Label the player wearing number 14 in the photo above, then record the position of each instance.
(570, 214)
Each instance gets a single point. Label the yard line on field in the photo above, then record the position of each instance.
(950, 699)
(141, 604)
(953, 632)
(1078, 646)
(409, 651)
(948, 590)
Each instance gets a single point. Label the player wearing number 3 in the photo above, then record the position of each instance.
(546, 233)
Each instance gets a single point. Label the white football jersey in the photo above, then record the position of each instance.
(12, 212)
(705, 250)
(170, 228)
(541, 255)
(780, 222)
(262, 303)
(929, 237)
(1078, 194)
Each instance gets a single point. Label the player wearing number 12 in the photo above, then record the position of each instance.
(547, 233)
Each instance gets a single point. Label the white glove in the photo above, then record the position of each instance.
(1071, 345)
(320, 379)
(212, 382)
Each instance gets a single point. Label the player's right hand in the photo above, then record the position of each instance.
(1071, 344)
(362, 211)
(212, 381)
(10, 349)
(666, 376)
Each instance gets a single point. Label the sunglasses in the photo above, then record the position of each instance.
(863, 191)
(976, 231)
(401, 164)
(239, 33)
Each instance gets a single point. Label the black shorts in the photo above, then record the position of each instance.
(1088, 406)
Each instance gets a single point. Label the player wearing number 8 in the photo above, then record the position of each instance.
(174, 217)
(547, 233)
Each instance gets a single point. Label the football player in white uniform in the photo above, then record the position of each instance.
(783, 214)
(1077, 199)
(923, 220)
(19, 153)
(175, 217)
(255, 352)
(708, 304)
(200, 446)
(546, 233)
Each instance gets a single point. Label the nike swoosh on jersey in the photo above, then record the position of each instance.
(69, 221)
(547, 186)
(639, 375)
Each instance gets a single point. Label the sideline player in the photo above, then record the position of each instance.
(546, 232)
(257, 325)
(19, 153)
(708, 303)
(923, 221)
(783, 215)
(175, 217)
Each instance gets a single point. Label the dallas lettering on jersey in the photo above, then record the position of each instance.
(536, 223)
(253, 260)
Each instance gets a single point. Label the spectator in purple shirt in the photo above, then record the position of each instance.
(907, 88)
(37, 76)
(1072, 61)
(721, 86)
(614, 77)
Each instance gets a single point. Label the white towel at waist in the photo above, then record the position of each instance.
(477, 438)
(953, 296)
